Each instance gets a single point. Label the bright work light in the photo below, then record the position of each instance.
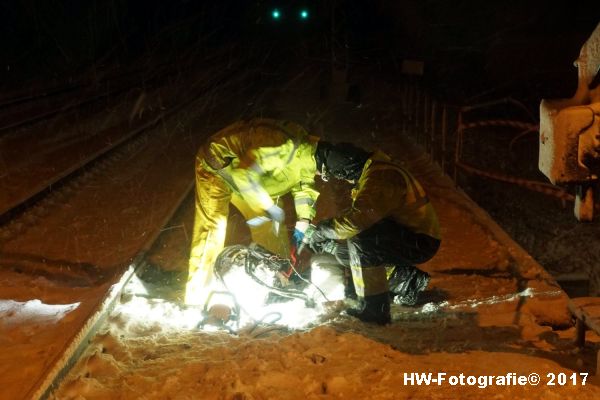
(304, 14)
(275, 14)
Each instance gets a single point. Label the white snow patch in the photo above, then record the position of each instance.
(507, 298)
(432, 307)
(16, 312)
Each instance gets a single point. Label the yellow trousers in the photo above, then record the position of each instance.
(369, 281)
(213, 197)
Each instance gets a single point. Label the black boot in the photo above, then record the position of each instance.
(406, 283)
(373, 309)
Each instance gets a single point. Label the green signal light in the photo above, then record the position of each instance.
(275, 14)
(303, 14)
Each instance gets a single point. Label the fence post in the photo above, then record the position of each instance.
(417, 105)
(411, 100)
(432, 130)
(425, 114)
(444, 131)
(457, 144)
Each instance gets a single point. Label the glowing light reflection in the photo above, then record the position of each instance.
(243, 295)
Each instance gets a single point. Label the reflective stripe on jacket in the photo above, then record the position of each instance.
(262, 159)
(386, 190)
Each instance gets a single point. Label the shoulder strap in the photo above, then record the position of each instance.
(421, 198)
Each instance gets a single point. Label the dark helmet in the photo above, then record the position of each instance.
(341, 160)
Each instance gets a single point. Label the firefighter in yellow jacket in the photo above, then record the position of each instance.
(250, 164)
(390, 223)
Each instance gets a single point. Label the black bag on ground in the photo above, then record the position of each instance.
(406, 283)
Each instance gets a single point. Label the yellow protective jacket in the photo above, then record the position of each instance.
(261, 159)
(386, 190)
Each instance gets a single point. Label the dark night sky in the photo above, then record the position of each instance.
(498, 42)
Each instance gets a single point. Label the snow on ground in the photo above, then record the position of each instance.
(38, 318)
(16, 312)
(490, 310)
(152, 355)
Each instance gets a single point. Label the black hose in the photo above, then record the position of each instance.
(289, 293)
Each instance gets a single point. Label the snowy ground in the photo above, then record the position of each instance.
(477, 319)
(490, 310)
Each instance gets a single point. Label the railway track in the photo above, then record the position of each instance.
(50, 197)
(71, 127)
(24, 110)
(95, 323)
(93, 151)
(91, 224)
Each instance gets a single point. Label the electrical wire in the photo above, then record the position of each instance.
(309, 282)
(253, 257)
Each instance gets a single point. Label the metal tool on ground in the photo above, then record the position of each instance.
(220, 316)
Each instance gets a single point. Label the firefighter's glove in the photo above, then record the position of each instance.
(307, 234)
(315, 239)
(329, 246)
(298, 235)
(276, 213)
